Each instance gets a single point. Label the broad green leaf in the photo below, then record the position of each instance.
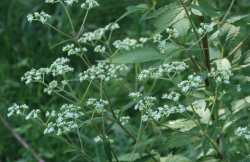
(132, 9)
(208, 8)
(227, 34)
(73, 158)
(111, 124)
(107, 148)
(213, 133)
(199, 8)
(196, 12)
(137, 55)
(236, 57)
(216, 124)
(145, 158)
(236, 90)
(182, 124)
(182, 27)
(223, 147)
(227, 103)
(205, 145)
(246, 59)
(167, 18)
(162, 10)
(145, 13)
(225, 64)
(169, 55)
(174, 158)
(213, 36)
(236, 18)
(208, 159)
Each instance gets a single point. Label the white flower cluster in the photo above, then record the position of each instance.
(100, 49)
(135, 95)
(172, 96)
(243, 131)
(38, 16)
(52, 85)
(99, 105)
(97, 34)
(175, 67)
(145, 104)
(33, 114)
(124, 120)
(166, 110)
(70, 2)
(157, 38)
(34, 75)
(143, 40)
(90, 3)
(58, 67)
(204, 28)
(50, 1)
(71, 50)
(100, 71)
(62, 123)
(172, 33)
(52, 114)
(191, 82)
(196, 105)
(99, 139)
(17, 110)
(221, 75)
(121, 45)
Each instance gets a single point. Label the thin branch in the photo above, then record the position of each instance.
(231, 5)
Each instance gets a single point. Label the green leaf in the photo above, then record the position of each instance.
(225, 64)
(169, 55)
(236, 18)
(111, 124)
(145, 158)
(223, 147)
(213, 133)
(167, 18)
(246, 59)
(227, 34)
(174, 158)
(137, 55)
(145, 13)
(208, 159)
(107, 148)
(124, 77)
(205, 145)
(182, 124)
(132, 9)
(216, 124)
(208, 8)
(60, 43)
(227, 103)
(182, 27)
(73, 158)
(68, 151)
(199, 8)
(127, 106)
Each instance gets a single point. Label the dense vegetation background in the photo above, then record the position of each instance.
(24, 46)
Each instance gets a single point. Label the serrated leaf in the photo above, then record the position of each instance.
(180, 123)
(225, 64)
(227, 34)
(111, 124)
(145, 158)
(208, 159)
(246, 59)
(227, 103)
(199, 8)
(145, 13)
(236, 57)
(73, 158)
(223, 147)
(236, 18)
(136, 55)
(208, 8)
(196, 12)
(107, 148)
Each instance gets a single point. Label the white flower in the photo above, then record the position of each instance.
(17, 110)
(38, 16)
(124, 120)
(172, 33)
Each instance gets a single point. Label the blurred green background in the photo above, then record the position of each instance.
(25, 45)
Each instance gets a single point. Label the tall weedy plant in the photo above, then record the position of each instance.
(185, 52)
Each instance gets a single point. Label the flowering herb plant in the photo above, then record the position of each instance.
(179, 51)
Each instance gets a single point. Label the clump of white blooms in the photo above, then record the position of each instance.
(100, 71)
(71, 50)
(175, 67)
(191, 82)
(97, 34)
(122, 45)
(172, 96)
(89, 4)
(135, 95)
(196, 105)
(58, 67)
(99, 105)
(172, 33)
(17, 110)
(51, 1)
(243, 131)
(221, 75)
(100, 49)
(124, 120)
(38, 16)
(143, 40)
(64, 82)
(204, 28)
(52, 85)
(157, 38)
(52, 114)
(99, 139)
(34, 75)
(62, 125)
(70, 2)
(162, 46)
(33, 114)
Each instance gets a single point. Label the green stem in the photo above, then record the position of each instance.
(83, 23)
(80, 139)
(86, 92)
(246, 158)
(152, 87)
(59, 31)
